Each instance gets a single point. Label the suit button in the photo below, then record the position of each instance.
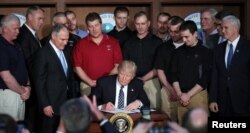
(228, 78)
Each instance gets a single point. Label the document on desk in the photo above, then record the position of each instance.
(122, 111)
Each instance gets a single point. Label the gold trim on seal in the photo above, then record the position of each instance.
(122, 122)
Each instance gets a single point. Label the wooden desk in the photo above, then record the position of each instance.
(157, 117)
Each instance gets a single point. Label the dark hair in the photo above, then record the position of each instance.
(7, 124)
(221, 14)
(31, 9)
(93, 16)
(121, 9)
(76, 115)
(139, 14)
(163, 14)
(69, 12)
(188, 25)
(174, 20)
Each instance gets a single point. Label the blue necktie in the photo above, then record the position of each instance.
(63, 62)
(230, 55)
(121, 98)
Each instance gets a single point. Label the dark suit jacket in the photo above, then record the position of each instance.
(75, 81)
(212, 41)
(105, 91)
(30, 45)
(235, 79)
(51, 84)
(108, 128)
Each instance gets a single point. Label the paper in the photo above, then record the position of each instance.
(121, 111)
(124, 111)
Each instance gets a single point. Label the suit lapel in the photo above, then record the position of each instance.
(131, 93)
(38, 43)
(113, 89)
(236, 53)
(223, 54)
(53, 54)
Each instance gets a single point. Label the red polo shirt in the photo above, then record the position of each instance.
(97, 60)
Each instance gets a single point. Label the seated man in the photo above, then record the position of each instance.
(122, 90)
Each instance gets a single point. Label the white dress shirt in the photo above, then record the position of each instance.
(234, 43)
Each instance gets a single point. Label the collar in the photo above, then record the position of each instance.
(235, 42)
(31, 30)
(119, 85)
(215, 31)
(54, 46)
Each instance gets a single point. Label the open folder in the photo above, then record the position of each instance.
(123, 111)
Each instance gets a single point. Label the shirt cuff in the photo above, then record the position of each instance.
(141, 104)
(104, 121)
(100, 107)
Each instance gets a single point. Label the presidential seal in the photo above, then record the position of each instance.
(123, 122)
(108, 22)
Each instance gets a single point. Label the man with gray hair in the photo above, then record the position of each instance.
(230, 84)
(52, 75)
(209, 34)
(14, 81)
(30, 43)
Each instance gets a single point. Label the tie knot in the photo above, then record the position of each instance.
(122, 87)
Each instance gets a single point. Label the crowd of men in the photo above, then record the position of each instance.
(174, 69)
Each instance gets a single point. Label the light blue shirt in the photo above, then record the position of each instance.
(81, 33)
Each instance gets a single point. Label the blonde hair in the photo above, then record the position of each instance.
(128, 65)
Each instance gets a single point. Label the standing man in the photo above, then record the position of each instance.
(52, 74)
(96, 55)
(162, 26)
(60, 18)
(230, 87)
(209, 34)
(30, 44)
(14, 81)
(162, 64)
(73, 28)
(219, 16)
(141, 48)
(121, 91)
(28, 38)
(191, 71)
(121, 31)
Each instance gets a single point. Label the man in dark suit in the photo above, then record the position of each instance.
(230, 86)
(52, 75)
(60, 18)
(122, 90)
(30, 44)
